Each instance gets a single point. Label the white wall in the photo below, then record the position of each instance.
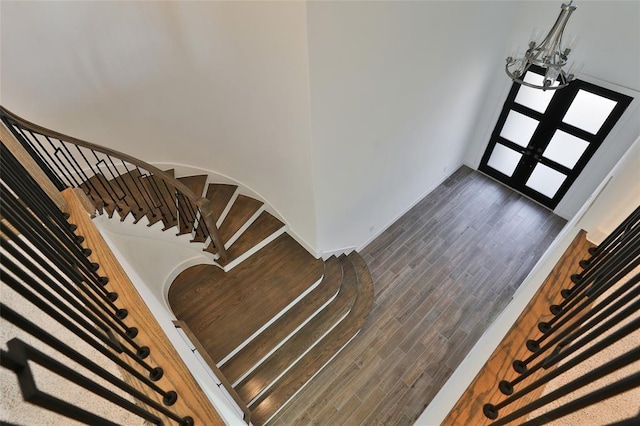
(609, 48)
(618, 200)
(217, 85)
(341, 115)
(395, 91)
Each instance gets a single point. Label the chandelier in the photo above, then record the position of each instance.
(548, 54)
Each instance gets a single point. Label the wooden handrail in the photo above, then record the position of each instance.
(204, 204)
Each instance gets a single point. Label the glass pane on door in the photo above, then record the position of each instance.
(545, 180)
(565, 149)
(589, 111)
(503, 159)
(518, 128)
(536, 99)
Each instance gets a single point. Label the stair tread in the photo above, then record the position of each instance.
(243, 208)
(259, 347)
(265, 225)
(134, 199)
(223, 309)
(285, 387)
(163, 196)
(97, 188)
(195, 183)
(187, 208)
(220, 194)
(303, 339)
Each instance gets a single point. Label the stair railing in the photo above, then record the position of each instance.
(598, 310)
(117, 182)
(59, 314)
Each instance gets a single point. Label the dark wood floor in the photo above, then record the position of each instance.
(442, 274)
(224, 309)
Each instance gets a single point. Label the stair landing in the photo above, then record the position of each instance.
(224, 309)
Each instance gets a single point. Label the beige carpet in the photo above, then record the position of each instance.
(12, 406)
(614, 409)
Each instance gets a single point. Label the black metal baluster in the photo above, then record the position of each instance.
(558, 321)
(603, 310)
(564, 348)
(18, 363)
(15, 345)
(611, 240)
(17, 132)
(491, 411)
(35, 229)
(120, 182)
(622, 238)
(625, 252)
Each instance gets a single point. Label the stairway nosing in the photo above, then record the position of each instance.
(243, 208)
(287, 338)
(247, 254)
(243, 228)
(358, 310)
(302, 355)
(284, 404)
(323, 294)
(226, 210)
(349, 292)
(265, 326)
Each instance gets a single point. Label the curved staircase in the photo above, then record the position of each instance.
(274, 323)
(269, 325)
(244, 225)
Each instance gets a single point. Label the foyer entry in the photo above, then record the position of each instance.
(544, 139)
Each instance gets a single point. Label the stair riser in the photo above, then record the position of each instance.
(225, 212)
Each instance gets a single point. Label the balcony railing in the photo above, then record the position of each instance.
(582, 343)
(67, 326)
(118, 183)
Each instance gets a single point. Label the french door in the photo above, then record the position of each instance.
(543, 139)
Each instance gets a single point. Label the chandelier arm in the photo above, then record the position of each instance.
(548, 55)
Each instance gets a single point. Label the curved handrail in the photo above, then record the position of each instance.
(203, 204)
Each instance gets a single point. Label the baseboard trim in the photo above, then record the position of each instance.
(412, 205)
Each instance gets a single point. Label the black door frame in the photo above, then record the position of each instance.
(549, 122)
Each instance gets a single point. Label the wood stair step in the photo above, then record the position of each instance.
(243, 208)
(259, 347)
(305, 338)
(141, 202)
(271, 401)
(163, 197)
(223, 309)
(187, 209)
(264, 226)
(133, 201)
(220, 194)
(98, 190)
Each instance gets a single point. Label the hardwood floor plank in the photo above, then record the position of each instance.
(219, 194)
(264, 226)
(448, 267)
(441, 274)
